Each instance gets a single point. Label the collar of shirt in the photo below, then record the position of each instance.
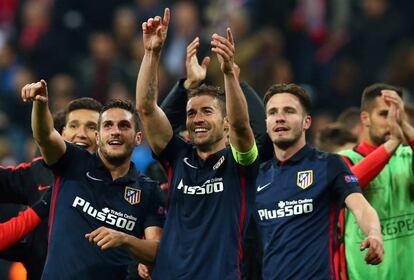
(302, 153)
(210, 160)
(103, 172)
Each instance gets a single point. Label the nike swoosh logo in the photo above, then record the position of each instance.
(93, 178)
(189, 164)
(259, 188)
(42, 187)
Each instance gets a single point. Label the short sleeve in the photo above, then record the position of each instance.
(170, 152)
(156, 210)
(344, 182)
(71, 158)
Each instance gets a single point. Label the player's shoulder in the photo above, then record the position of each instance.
(330, 158)
(144, 180)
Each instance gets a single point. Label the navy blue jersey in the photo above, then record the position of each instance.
(297, 207)
(209, 205)
(84, 198)
(25, 184)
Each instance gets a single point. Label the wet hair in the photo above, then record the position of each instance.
(121, 104)
(213, 91)
(299, 92)
(85, 103)
(371, 92)
(333, 136)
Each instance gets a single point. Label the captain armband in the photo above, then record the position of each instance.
(245, 158)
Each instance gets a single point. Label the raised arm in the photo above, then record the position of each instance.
(154, 121)
(175, 102)
(241, 134)
(51, 144)
(368, 221)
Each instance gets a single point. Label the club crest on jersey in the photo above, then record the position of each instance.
(133, 196)
(304, 178)
(218, 163)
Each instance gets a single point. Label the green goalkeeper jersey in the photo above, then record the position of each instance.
(391, 193)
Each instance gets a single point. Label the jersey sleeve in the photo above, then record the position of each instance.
(18, 184)
(156, 211)
(170, 152)
(71, 158)
(174, 105)
(246, 158)
(17, 227)
(344, 182)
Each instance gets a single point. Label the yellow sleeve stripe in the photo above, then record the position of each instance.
(245, 158)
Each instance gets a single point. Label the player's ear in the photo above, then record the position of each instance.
(226, 124)
(138, 138)
(365, 120)
(307, 122)
(97, 137)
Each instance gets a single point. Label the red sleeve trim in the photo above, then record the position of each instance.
(368, 168)
(17, 227)
(411, 142)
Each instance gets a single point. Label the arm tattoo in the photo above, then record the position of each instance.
(152, 91)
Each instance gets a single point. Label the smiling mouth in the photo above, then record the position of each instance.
(81, 144)
(115, 143)
(200, 130)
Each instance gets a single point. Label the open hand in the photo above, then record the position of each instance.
(154, 31)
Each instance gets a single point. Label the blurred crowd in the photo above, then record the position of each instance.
(92, 48)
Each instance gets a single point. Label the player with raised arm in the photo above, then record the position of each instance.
(210, 193)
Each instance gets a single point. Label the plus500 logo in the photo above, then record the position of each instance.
(210, 186)
(109, 216)
(286, 209)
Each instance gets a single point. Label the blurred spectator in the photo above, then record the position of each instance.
(64, 91)
(184, 28)
(335, 138)
(351, 119)
(374, 32)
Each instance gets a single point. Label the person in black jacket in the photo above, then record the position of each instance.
(25, 184)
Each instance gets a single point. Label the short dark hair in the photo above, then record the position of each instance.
(371, 92)
(86, 103)
(213, 91)
(59, 120)
(299, 92)
(334, 135)
(349, 117)
(121, 104)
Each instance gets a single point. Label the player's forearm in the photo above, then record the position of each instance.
(17, 227)
(236, 104)
(147, 83)
(144, 250)
(369, 222)
(42, 122)
(368, 168)
(408, 130)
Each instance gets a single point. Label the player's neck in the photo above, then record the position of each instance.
(214, 148)
(117, 170)
(287, 153)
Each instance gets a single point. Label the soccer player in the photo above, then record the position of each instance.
(210, 192)
(98, 197)
(390, 185)
(26, 184)
(299, 195)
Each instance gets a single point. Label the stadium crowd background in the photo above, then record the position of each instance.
(92, 48)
